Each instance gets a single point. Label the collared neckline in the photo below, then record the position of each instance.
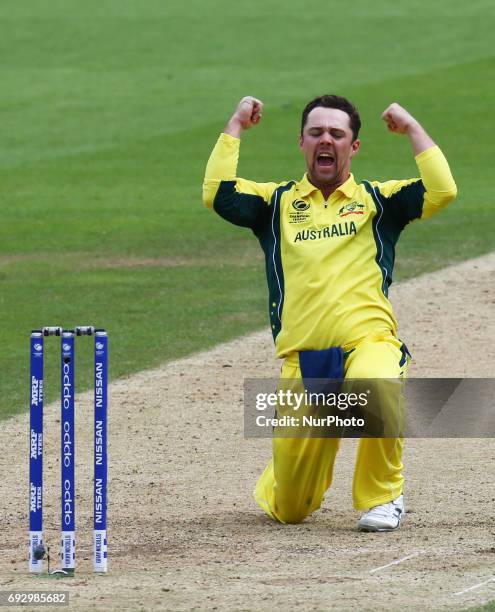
(305, 186)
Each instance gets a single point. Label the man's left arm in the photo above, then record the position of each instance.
(437, 180)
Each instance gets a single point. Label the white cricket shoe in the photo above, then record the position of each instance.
(386, 517)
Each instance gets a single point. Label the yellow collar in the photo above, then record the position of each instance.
(305, 187)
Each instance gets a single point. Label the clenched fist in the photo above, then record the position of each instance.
(247, 114)
(398, 119)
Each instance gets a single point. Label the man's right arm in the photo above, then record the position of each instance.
(239, 201)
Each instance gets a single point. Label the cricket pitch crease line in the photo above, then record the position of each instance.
(476, 586)
(416, 554)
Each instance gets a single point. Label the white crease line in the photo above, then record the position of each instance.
(377, 569)
(476, 586)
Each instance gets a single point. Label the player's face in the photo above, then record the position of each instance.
(328, 146)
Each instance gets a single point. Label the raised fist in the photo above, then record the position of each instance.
(398, 120)
(248, 112)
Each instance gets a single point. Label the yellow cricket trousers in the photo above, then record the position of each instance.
(296, 478)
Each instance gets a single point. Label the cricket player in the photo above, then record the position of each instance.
(329, 243)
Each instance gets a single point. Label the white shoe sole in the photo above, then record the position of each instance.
(375, 529)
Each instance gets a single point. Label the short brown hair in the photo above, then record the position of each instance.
(338, 102)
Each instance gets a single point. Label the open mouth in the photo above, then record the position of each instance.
(325, 160)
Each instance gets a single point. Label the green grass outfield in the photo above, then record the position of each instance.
(109, 110)
(489, 607)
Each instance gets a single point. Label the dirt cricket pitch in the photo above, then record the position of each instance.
(184, 531)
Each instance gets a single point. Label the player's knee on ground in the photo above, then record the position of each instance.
(292, 514)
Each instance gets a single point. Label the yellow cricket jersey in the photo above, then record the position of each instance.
(328, 263)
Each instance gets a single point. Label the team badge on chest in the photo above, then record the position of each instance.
(299, 211)
(354, 208)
